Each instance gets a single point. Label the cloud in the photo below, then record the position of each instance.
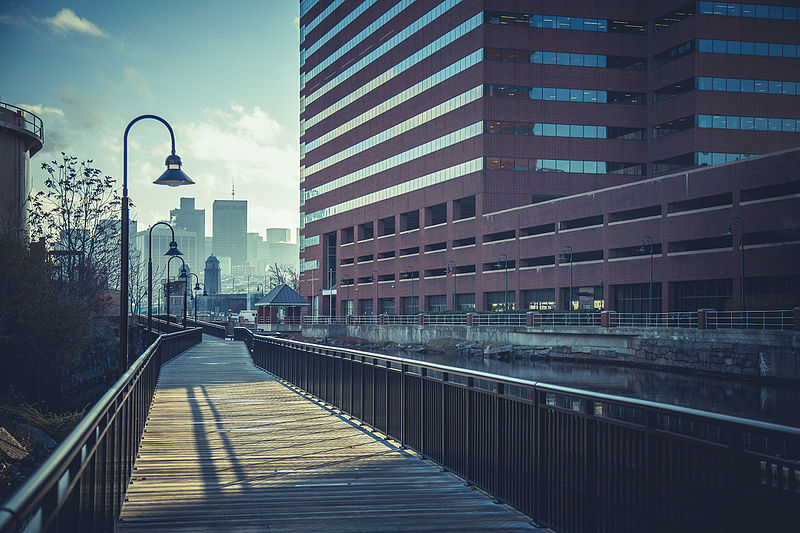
(13, 20)
(66, 21)
(135, 79)
(42, 110)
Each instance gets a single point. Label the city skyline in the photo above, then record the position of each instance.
(89, 68)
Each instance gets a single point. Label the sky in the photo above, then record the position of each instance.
(224, 75)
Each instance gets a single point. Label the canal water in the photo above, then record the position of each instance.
(731, 396)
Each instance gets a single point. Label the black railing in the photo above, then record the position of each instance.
(573, 460)
(209, 328)
(81, 486)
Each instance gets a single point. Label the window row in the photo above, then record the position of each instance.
(386, 105)
(440, 176)
(747, 48)
(566, 23)
(398, 129)
(422, 150)
(350, 17)
(355, 41)
(566, 59)
(385, 47)
(391, 73)
(736, 85)
(565, 130)
(671, 54)
(727, 9)
(565, 95)
(678, 162)
(748, 123)
(564, 165)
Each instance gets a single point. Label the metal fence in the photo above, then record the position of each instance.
(779, 319)
(26, 120)
(573, 460)
(654, 320)
(82, 484)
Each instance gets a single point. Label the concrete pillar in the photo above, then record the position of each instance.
(706, 319)
(472, 319)
(421, 319)
(533, 319)
(608, 319)
(382, 320)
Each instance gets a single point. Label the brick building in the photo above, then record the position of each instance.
(463, 154)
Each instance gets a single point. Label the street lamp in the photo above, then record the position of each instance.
(564, 251)
(377, 289)
(173, 250)
(183, 275)
(648, 240)
(410, 275)
(451, 267)
(173, 177)
(195, 296)
(503, 258)
(730, 233)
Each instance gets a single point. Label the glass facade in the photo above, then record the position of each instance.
(576, 131)
(740, 85)
(557, 94)
(729, 122)
(566, 23)
(747, 48)
(564, 165)
(566, 59)
(350, 17)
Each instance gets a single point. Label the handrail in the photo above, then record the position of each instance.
(573, 459)
(35, 505)
(29, 121)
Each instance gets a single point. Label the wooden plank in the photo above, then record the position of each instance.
(228, 448)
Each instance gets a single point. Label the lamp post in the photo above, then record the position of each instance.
(183, 274)
(730, 233)
(564, 251)
(451, 267)
(173, 177)
(410, 275)
(196, 288)
(504, 259)
(173, 250)
(377, 290)
(648, 240)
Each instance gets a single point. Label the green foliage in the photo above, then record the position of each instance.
(41, 328)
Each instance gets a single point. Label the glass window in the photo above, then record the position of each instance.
(775, 49)
(704, 45)
(790, 13)
(549, 58)
(576, 60)
(788, 124)
(762, 12)
(576, 23)
(748, 10)
(703, 121)
(562, 95)
(520, 164)
(703, 158)
(732, 123)
(718, 121)
(522, 128)
(562, 130)
(535, 93)
(507, 128)
(720, 47)
(748, 123)
(775, 87)
(774, 124)
(576, 131)
(576, 95)
(562, 165)
(761, 123)
(601, 61)
(563, 23)
(734, 9)
(590, 60)
(705, 8)
(602, 24)
(537, 128)
(548, 93)
(762, 49)
(789, 50)
(717, 158)
(732, 85)
(748, 48)
(704, 83)
(600, 167)
(762, 86)
(590, 132)
(601, 132)
(548, 21)
(720, 8)
(732, 157)
(590, 167)
(549, 130)
(536, 57)
(776, 12)
(789, 87)
(536, 21)
(748, 86)
(734, 47)
(492, 126)
(719, 84)
(562, 58)
(576, 166)
(492, 163)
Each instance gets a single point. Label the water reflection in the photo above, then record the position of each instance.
(747, 399)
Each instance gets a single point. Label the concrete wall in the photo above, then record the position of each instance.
(741, 352)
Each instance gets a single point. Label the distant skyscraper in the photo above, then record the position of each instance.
(194, 220)
(212, 275)
(230, 230)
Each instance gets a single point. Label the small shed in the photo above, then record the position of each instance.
(280, 306)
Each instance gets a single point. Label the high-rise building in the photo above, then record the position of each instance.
(230, 230)
(446, 141)
(190, 219)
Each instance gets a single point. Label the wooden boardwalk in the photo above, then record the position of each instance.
(228, 448)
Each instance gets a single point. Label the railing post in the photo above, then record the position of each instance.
(703, 316)
(403, 370)
(468, 476)
(498, 440)
(472, 319)
(421, 319)
(607, 319)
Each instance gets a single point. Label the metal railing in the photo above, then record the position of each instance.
(499, 319)
(573, 460)
(779, 319)
(655, 320)
(289, 320)
(569, 319)
(26, 120)
(81, 486)
(401, 320)
(209, 328)
(455, 319)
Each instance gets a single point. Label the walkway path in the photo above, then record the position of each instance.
(228, 448)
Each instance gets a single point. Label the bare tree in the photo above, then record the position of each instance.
(279, 274)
